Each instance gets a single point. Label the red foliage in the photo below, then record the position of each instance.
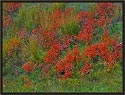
(22, 33)
(91, 51)
(103, 50)
(109, 49)
(69, 58)
(66, 41)
(86, 34)
(13, 6)
(67, 74)
(47, 37)
(29, 67)
(7, 20)
(64, 68)
(77, 56)
(53, 53)
(82, 14)
(86, 68)
(60, 66)
(101, 21)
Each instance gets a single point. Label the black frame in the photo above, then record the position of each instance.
(75, 1)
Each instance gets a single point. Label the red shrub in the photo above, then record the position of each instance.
(86, 68)
(29, 67)
(13, 6)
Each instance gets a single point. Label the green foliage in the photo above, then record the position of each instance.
(10, 45)
(71, 27)
(56, 6)
(116, 29)
(107, 83)
(98, 34)
(7, 69)
(34, 49)
(26, 17)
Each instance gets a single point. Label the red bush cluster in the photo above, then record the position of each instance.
(65, 67)
(105, 12)
(88, 27)
(66, 41)
(86, 68)
(82, 15)
(29, 66)
(13, 7)
(53, 53)
(7, 20)
(47, 37)
(108, 49)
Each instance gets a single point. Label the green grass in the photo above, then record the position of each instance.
(26, 17)
(102, 82)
